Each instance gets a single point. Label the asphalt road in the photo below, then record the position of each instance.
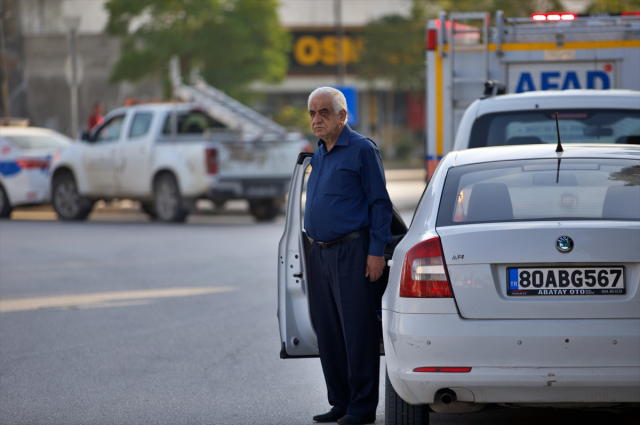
(121, 321)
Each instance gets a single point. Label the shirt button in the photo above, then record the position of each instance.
(315, 192)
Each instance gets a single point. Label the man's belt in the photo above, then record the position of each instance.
(346, 238)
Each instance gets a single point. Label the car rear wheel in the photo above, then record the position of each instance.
(5, 206)
(399, 412)
(264, 209)
(168, 202)
(67, 202)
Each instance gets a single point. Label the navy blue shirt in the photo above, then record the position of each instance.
(347, 191)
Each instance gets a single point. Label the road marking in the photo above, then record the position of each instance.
(99, 299)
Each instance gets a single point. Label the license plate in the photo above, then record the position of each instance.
(263, 190)
(601, 280)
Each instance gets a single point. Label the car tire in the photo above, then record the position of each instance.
(399, 412)
(149, 209)
(264, 209)
(168, 203)
(5, 205)
(67, 202)
(219, 203)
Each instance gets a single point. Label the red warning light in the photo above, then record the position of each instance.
(554, 16)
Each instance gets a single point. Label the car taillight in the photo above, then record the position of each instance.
(431, 39)
(30, 163)
(211, 158)
(424, 273)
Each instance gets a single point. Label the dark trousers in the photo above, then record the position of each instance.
(343, 308)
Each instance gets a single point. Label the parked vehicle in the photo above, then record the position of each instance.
(517, 283)
(546, 52)
(26, 154)
(168, 155)
(585, 116)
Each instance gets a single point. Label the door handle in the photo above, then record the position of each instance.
(298, 275)
(144, 149)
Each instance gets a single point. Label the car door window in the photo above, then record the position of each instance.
(192, 122)
(110, 131)
(140, 125)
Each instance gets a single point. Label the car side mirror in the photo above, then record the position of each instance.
(86, 136)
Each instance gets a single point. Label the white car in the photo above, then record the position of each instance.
(585, 116)
(517, 283)
(26, 154)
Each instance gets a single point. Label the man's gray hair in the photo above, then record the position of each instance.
(338, 101)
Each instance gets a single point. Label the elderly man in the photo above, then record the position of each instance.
(348, 216)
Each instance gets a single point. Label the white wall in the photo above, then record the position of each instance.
(308, 13)
(48, 16)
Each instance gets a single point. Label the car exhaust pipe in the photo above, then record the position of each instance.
(447, 396)
(446, 401)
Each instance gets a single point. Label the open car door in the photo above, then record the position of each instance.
(297, 334)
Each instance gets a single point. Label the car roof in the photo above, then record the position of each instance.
(562, 99)
(573, 150)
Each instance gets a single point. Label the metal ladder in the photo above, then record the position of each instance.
(457, 102)
(225, 109)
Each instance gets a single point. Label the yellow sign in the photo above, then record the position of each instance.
(312, 50)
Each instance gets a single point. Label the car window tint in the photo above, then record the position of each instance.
(111, 130)
(40, 141)
(192, 122)
(141, 124)
(576, 126)
(570, 189)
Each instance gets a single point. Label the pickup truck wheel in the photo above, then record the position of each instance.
(149, 209)
(67, 202)
(168, 203)
(399, 412)
(264, 209)
(5, 206)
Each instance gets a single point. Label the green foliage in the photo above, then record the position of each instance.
(231, 42)
(613, 7)
(394, 50)
(511, 8)
(294, 118)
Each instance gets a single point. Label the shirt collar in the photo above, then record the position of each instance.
(343, 139)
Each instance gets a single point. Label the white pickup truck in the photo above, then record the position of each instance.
(167, 156)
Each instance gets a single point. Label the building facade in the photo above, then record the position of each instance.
(38, 50)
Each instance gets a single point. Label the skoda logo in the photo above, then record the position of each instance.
(564, 244)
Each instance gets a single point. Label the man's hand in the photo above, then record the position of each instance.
(375, 265)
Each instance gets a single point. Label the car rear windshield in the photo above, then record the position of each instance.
(40, 141)
(576, 126)
(542, 189)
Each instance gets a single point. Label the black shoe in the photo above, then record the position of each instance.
(330, 416)
(357, 420)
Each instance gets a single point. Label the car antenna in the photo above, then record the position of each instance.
(558, 149)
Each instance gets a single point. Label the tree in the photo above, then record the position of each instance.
(613, 6)
(512, 9)
(394, 50)
(231, 42)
